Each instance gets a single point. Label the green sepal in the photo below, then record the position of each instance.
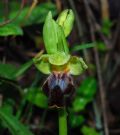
(76, 65)
(66, 20)
(62, 45)
(42, 64)
(54, 37)
(59, 58)
(50, 34)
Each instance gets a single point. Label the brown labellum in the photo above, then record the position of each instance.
(59, 88)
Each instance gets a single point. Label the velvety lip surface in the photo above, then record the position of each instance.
(59, 89)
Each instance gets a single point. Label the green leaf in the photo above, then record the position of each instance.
(79, 104)
(106, 26)
(8, 105)
(89, 131)
(83, 46)
(14, 6)
(7, 70)
(37, 15)
(76, 120)
(10, 29)
(1, 9)
(42, 64)
(23, 68)
(14, 126)
(11, 72)
(88, 88)
(101, 46)
(77, 65)
(37, 97)
(59, 58)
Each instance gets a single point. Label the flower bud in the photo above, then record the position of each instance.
(66, 20)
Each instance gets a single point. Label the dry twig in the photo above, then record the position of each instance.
(97, 61)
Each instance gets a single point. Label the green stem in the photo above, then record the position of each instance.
(62, 121)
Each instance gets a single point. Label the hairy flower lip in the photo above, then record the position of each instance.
(59, 88)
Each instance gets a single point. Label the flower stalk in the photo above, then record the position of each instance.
(62, 114)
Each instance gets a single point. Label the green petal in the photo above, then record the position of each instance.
(62, 45)
(50, 34)
(76, 65)
(42, 64)
(66, 20)
(59, 58)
